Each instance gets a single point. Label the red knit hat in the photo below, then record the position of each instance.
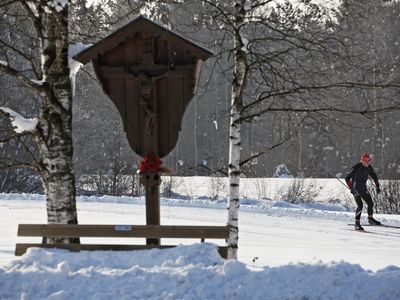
(366, 157)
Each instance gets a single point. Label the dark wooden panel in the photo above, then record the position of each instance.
(176, 109)
(116, 90)
(131, 53)
(163, 116)
(149, 231)
(161, 55)
(134, 125)
(174, 96)
(175, 54)
(113, 57)
(20, 248)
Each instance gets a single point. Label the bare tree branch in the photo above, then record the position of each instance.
(254, 156)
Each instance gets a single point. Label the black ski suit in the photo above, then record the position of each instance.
(357, 182)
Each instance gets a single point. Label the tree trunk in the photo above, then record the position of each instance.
(238, 85)
(54, 135)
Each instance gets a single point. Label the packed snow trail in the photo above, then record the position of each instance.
(276, 233)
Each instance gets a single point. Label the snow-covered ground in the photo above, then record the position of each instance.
(286, 252)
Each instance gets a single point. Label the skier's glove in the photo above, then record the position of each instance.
(349, 184)
(378, 189)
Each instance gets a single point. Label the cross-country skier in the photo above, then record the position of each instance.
(357, 183)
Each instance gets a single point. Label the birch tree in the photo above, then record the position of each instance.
(250, 60)
(42, 67)
(238, 86)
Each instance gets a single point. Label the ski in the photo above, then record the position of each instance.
(375, 233)
(371, 232)
(382, 225)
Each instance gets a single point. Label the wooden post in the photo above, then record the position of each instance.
(151, 182)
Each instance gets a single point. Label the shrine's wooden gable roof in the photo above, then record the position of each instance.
(128, 31)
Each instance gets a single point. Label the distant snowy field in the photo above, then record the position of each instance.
(286, 251)
(259, 188)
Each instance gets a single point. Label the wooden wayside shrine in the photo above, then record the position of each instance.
(151, 74)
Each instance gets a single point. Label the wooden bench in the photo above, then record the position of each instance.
(116, 231)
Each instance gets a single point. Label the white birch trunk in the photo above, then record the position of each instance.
(54, 128)
(238, 85)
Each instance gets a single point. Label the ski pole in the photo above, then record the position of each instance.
(329, 173)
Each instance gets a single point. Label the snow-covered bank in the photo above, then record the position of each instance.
(186, 272)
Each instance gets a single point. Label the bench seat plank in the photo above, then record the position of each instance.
(134, 231)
